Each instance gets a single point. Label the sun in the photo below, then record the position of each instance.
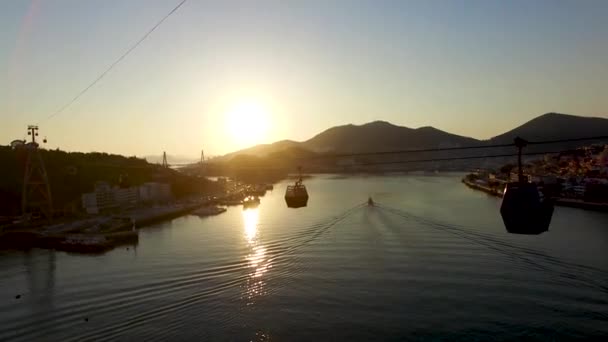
(247, 122)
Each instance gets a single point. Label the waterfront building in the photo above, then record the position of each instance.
(126, 197)
(99, 201)
(153, 192)
(106, 198)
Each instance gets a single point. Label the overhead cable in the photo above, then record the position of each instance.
(107, 70)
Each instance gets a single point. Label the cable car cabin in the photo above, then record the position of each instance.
(525, 210)
(296, 195)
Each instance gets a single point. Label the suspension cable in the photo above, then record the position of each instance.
(107, 70)
(542, 142)
(460, 158)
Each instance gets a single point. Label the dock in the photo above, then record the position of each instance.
(99, 234)
(92, 235)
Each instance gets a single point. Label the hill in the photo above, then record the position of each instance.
(553, 126)
(74, 173)
(370, 137)
(382, 136)
(263, 150)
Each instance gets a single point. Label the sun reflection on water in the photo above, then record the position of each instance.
(251, 218)
(258, 262)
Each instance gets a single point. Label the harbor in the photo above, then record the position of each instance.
(91, 235)
(563, 202)
(193, 274)
(99, 234)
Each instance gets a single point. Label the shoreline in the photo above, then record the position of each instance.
(562, 202)
(486, 189)
(77, 241)
(85, 236)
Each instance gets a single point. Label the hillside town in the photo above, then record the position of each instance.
(576, 175)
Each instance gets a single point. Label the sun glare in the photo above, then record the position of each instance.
(247, 123)
(250, 218)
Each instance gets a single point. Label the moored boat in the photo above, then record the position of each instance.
(251, 202)
(208, 211)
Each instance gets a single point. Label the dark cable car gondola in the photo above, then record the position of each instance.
(296, 195)
(524, 209)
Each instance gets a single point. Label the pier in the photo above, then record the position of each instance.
(98, 234)
(92, 235)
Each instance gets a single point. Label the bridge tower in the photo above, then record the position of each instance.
(165, 164)
(36, 196)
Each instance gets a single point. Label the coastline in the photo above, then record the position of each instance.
(76, 241)
(563, 202)
(483, 188)
(97, 235)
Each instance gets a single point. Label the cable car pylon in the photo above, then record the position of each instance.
(36, 199)
(165, 163)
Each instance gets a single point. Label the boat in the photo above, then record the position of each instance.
(231, 201)
(208, 211)
(93, 243)
(296, 195)
(84, 243)
(251, 202)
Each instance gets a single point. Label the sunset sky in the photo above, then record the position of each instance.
(223, 75)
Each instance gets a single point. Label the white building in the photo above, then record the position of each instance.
(105, 198)
(89, 203)
(102, 199)
(126, 197)
(154, 192)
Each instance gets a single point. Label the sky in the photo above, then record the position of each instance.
(291, 69)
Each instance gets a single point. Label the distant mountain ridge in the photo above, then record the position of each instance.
(384, 136)
(554, 126)
(264, 149)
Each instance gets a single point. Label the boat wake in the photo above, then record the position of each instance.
(584, 274)
(281, 252)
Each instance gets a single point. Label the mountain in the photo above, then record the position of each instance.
(553, 126)
(382, 136)
(263, 150)
(373, 136)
